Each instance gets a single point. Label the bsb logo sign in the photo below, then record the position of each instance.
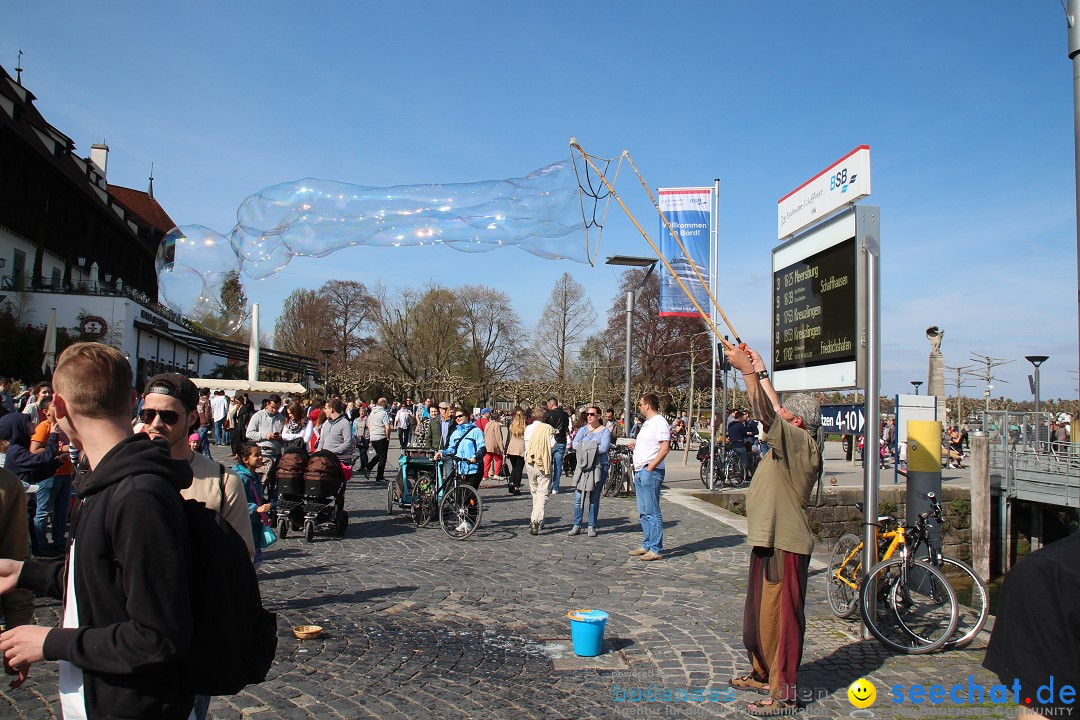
(834, 188)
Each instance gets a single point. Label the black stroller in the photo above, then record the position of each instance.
(313, 498)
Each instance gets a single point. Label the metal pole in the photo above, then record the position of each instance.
(690, 408)
(626, 386)
(873, 390)
(1073, 16)
(714, 270)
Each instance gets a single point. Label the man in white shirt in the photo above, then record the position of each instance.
(650, 448)
(220, 406)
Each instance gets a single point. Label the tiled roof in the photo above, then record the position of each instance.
(145, 207)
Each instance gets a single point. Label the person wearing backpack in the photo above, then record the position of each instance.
(168, 413)
(126, 580)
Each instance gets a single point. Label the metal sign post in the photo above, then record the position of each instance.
(870, 248)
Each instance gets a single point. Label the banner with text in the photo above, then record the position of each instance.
(689, 211)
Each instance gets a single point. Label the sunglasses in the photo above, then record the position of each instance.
(169, 417)
(591, 414)
(459, 416)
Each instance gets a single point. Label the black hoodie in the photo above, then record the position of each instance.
(131, 556)
(30, 467)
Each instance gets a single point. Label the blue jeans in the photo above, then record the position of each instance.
(204, 440)
(202, 706)
(647, 487)
(594, 500)
(219, 431)
(53, 500)
(557, 452)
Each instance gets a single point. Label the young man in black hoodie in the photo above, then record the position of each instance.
(126, 579)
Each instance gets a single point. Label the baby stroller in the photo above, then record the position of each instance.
(313, 498)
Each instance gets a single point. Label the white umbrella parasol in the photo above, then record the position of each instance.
(49, 349)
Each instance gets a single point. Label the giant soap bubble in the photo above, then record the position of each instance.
(541, 213)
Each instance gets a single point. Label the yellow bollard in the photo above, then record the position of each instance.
(924, 471)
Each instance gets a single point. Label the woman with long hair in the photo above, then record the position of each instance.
(297, 426)
(515, 451)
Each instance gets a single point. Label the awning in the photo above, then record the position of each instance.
(258, 386)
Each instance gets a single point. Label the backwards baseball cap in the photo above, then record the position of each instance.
(805, 406)
(174, 385)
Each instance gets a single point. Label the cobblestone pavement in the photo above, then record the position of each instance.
(418, 625)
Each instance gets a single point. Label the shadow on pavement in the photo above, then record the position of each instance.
(843, 666)
(711, 543)
(359, 596)
(298, 572)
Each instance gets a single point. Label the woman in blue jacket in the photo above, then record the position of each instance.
(466, 442)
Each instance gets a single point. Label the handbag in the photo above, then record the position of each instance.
(269, 537)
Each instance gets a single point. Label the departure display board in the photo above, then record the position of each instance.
(814, 309)
(819, 304)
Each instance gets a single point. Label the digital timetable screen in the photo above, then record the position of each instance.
(815, 309)
(819, 303)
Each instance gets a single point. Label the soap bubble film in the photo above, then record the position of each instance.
(540, 213)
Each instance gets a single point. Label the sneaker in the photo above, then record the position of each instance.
(576, 530)
(637, 552)
(464, 527)
(534, 528)
(554, 491)
(650, 556)
(592, 531)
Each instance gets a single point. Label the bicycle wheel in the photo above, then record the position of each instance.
(614, 477)
(704, 473)
(732, 472)
(973, 600)
(844, 575)
(912, 609)
(423, 499)
(390, 501)
(460, 511)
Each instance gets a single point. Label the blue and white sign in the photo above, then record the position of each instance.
(834, 188)
(843, 419)
(689, 211)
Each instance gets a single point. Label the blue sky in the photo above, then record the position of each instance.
(967, 108)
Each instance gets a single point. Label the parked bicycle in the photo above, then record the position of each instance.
(620, 472)
(916, 597)
(728, 468)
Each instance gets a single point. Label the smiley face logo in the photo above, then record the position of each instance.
(862, 693)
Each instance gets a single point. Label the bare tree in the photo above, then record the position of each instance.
(419, 332)
(567, 318)
(660, 353)
(305, 324)
(352, 308)
(490, 330)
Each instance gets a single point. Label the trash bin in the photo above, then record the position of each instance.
(587, 631)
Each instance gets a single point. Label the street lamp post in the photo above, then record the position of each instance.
(916, 384)
(631, 300)
(327, 352)
(1037, 361)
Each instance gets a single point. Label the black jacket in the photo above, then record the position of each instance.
(30, 467)
(132, 565)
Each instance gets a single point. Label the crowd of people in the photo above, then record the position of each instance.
(124, 569)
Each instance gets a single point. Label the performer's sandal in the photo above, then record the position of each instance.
(747, 682)
(771, 707)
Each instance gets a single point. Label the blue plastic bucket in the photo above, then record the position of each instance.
(587, 631)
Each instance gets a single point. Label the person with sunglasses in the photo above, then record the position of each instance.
(170, 413)
(585, 480)
(467, 444)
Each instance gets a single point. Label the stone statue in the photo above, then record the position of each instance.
(935, 381)
(935, 334)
